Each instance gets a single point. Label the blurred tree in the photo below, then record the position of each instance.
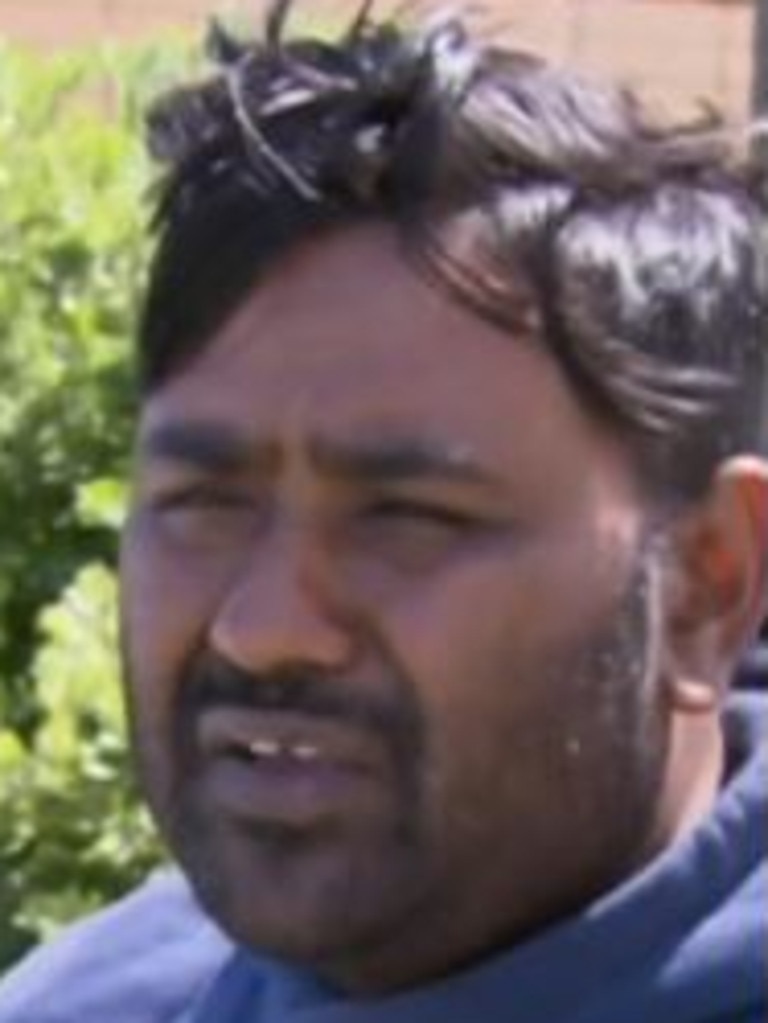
(72, 178)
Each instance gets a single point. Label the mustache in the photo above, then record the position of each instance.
(213, 682)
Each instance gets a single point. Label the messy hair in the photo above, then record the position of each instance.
(553, 206)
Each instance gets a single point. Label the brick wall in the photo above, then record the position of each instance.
(679, 51)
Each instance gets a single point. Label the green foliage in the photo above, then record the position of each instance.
(71, 835)
(72, 181)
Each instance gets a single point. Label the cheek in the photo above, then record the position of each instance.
(515, 663)
(167, 604)
(502, 615)
(471, 645)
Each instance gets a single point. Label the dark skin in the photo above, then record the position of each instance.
(413, 669)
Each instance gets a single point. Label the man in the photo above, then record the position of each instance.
(450, 530)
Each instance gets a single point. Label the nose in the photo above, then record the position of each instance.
(281, 610)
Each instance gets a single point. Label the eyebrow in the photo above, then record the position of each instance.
(205, 445)
(214, 447)
(393, 460)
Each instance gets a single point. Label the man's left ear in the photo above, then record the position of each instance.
(717, 576)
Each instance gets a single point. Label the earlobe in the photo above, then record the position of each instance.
(716, 582)
(755, 484)
(694, 696)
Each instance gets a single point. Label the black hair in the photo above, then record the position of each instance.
(633, 249)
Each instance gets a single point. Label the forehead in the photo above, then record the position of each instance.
(346, 338)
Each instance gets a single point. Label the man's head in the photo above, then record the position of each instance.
(450, 522)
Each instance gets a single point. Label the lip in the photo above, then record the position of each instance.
(288, 789)
(226, 731)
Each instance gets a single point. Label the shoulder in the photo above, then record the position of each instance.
(143, 960)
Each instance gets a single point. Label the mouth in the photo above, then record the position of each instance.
(273, 750)
(287, 768)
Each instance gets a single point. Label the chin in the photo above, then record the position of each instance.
(302, 898)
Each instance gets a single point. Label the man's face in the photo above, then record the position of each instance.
(388, 618)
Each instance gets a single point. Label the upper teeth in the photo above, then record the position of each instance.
(273, 748)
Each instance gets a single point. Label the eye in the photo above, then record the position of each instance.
(419, 512)
(203, 515)
(196, 497)
(412, 535)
